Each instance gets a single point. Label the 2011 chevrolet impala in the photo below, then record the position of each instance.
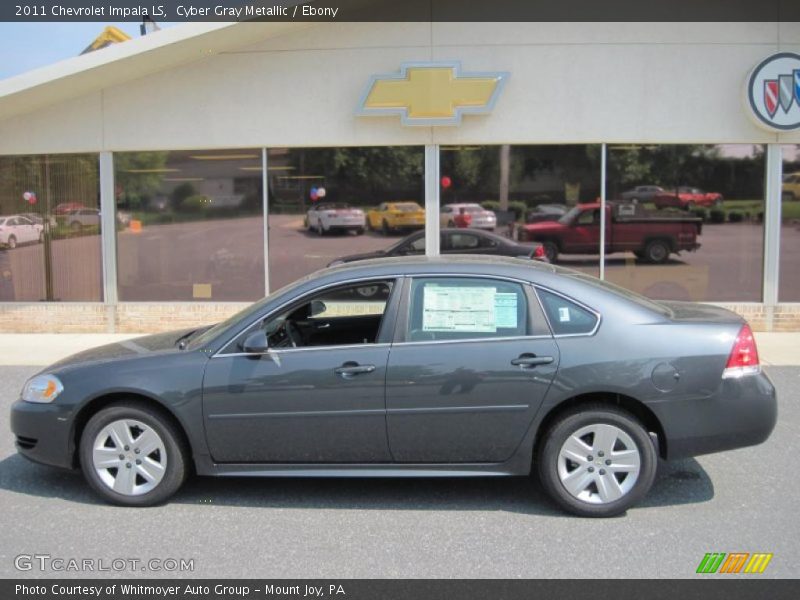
(456, 366)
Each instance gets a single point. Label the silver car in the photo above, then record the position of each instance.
(480, 217)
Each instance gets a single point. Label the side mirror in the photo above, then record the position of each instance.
(317, 308)
(256, 343)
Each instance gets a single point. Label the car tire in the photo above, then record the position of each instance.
(602, 486)
(385, 229)
(12, 242)
(550, 250)
(657, 251)
(166, 464)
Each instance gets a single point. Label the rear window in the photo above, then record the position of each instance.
(642, 301)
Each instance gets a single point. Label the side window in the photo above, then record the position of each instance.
(587, 217)
(463, 241)
(12, 222)
(417, 246)
(565, 316)
(455, 308)
(341, 316)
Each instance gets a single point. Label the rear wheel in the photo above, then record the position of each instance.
(132, 455)
(656, 251)
(597, 461)
(385, 230)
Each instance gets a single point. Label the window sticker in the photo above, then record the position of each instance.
(468, 309)
(505, 310)
(563, 314)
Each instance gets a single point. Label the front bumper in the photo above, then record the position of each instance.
(43, 433)
(742, 412)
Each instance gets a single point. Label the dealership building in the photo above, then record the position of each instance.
(166, 181)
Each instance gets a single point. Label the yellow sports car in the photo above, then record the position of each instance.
(394, 216)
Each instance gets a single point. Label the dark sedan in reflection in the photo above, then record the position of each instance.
(457, 366)
(455, 241)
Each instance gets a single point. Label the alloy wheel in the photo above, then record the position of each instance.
(129, 457)
(599, 463)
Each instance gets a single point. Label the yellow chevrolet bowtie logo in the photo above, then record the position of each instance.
(431, 93)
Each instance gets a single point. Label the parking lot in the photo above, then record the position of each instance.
(740, 501)
(163, 262)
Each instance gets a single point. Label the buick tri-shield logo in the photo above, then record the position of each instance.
(773, 92)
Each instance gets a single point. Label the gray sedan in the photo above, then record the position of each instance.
(456, 366)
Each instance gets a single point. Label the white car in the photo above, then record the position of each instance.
(82, 217)
(16, 229)
(335, 216)
(480, 217)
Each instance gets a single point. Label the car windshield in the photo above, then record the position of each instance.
(569, 216)
(405, 241)
(406, 207)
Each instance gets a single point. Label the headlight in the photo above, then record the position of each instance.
(42, 389)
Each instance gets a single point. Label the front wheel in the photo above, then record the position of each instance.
(132, 455)
(12, 242)
(385, 229)
(597, 461)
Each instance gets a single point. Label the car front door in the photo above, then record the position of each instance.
(584, 235)
(317, 394)
(472, 361)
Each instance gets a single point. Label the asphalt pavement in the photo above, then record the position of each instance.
(739, 501)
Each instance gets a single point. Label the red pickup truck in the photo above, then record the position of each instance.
(650, 238)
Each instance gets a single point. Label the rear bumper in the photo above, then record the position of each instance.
(43, 433)
(742, 412)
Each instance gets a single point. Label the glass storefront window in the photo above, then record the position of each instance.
(686, 221)
(524, 193)
(330, 205)
(50, 228)
(789, 275)
(190, 225)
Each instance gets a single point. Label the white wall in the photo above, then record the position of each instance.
(570, 82)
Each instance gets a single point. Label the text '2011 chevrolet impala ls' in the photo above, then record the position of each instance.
(456, 366)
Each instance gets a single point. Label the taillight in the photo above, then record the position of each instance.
(539, 252)
(744, 356)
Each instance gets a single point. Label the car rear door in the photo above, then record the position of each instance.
(470, 366)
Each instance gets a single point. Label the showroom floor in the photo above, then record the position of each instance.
(741, 501)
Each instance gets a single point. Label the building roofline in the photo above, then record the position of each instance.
(116, 64)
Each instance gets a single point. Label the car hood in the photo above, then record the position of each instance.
(133, 348)
(692, 311)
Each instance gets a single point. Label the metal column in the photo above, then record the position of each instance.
(432, 200)
(108, 236)
(772, 227)
(603, 211)
(265, 203)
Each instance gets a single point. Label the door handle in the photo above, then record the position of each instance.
(323, 325)
(351, 369)
(531, 360)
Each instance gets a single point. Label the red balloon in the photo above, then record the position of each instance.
(446, 182)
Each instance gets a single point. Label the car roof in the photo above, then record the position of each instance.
(450, 263)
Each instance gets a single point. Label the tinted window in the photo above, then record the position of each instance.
(452, 308)
(565, 316)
